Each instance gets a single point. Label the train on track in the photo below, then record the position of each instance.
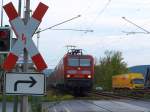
(74, 72)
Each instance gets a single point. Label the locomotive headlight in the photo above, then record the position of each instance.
(89, 76)
(68, 76)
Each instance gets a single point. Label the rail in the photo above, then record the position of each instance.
(112, 95)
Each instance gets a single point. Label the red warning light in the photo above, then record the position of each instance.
(5, 39)
(3, 34)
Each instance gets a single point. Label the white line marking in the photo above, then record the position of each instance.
(55, 109)
(67, 110)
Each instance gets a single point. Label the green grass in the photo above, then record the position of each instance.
(56, 96)
(147, 96)
(52, 95)
(9, 98)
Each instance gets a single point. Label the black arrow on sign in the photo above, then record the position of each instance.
(32, 81)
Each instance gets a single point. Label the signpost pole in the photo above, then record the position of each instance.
(3, 91)
(4, 102)
(24, 102)
(16, 97)
(4, 98)
(15, 104)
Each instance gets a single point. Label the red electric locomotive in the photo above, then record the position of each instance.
(75, 72)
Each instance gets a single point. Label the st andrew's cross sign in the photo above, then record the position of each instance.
(24, 34)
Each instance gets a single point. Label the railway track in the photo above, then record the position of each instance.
(111, 95)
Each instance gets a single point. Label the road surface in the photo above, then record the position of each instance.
(91, 106)
(9, 107)
(96, 106)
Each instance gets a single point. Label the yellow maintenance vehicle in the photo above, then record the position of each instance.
(128, 81)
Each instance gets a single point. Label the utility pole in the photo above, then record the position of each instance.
(24, 102)
(19, 8)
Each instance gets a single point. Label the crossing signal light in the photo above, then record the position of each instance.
(5, 39)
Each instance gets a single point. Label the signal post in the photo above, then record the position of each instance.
(24, 99)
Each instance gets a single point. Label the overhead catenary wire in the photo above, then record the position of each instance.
(72, 19)
(57, 24)
(50, 28)
(145, 23)
(101, 12)
(145, 31)
(104, 8)
(75, 30)
(133, 32)
(94, 20)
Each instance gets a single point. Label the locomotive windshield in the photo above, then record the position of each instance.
(73, 62)
(85, 62)
(79, 62)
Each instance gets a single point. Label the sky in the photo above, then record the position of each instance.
(104, 17)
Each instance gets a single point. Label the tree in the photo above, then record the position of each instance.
(110, 65)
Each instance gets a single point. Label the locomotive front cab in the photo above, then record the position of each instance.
(79, 67)
(79, 70)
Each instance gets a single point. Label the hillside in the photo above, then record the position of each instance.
(139, 69)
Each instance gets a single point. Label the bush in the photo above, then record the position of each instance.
(110, 65)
